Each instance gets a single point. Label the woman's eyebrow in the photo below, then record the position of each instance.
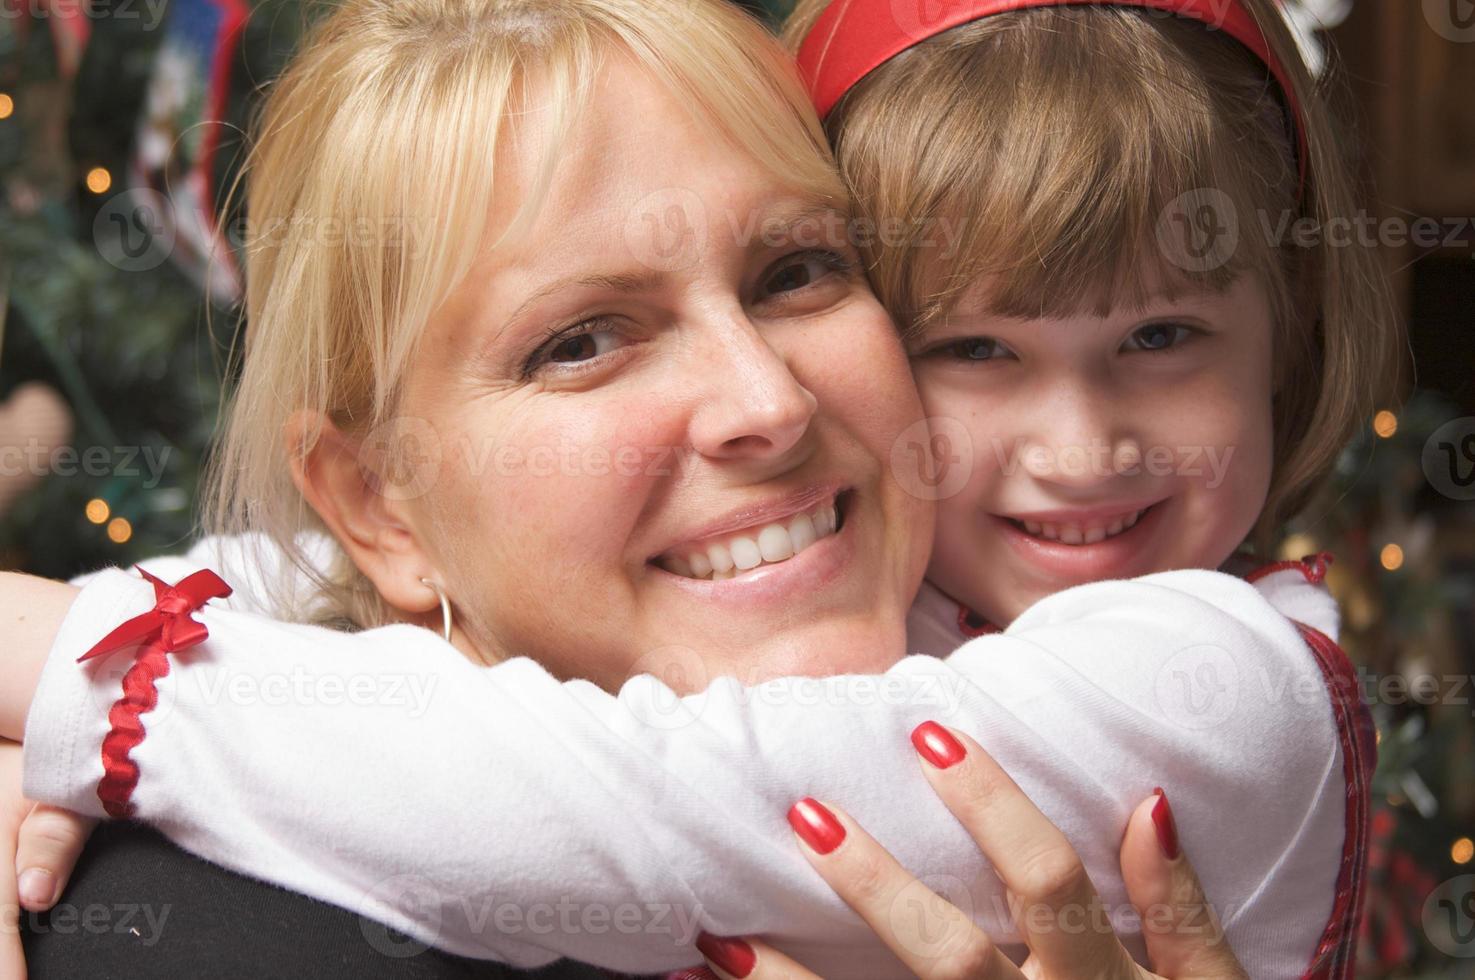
(789, 215)
(623, 282)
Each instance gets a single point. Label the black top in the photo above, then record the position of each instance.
(138, 906)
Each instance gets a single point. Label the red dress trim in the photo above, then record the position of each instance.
(166, 628)
(1336, 954)
(970, 624)
(1312, 566)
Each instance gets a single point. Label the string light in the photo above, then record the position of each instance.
(119, 530)
(99, 180)
(1462, 851)
(7, 106)
(97, 510)
(1391, 557)
(1385, 424)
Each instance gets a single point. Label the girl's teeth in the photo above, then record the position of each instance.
(772, 543)
(1076, 534)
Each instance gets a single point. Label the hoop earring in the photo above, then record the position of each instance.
(445, 608)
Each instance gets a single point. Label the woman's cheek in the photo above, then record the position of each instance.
(577, 479)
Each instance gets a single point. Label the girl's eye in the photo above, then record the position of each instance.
(1157, 337)
(973, 349)
(804, 269)
(577, 345)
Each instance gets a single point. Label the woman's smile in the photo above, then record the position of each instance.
(807, 552)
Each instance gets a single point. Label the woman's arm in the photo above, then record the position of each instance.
(497, 812)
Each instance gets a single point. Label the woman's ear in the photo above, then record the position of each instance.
(342, 482)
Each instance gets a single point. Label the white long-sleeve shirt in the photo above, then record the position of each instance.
(499, 813)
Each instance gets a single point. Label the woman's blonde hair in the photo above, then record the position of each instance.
(368, 183)
(1064, 141)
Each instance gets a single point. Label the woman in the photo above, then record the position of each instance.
(773, 370)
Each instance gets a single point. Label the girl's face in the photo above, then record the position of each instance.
(665, 372)
(1095, 447)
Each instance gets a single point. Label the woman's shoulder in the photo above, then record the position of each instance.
(137, 905)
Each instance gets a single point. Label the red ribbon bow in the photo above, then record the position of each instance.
(170, 618)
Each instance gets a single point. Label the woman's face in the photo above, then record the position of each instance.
(657, 376)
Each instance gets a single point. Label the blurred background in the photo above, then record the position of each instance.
(121, 128)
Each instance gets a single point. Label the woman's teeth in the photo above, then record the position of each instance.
(767, 545)
(1089, 533)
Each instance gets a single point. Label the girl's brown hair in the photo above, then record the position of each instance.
(1085, 157)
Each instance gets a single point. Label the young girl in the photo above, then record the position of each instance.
(1055, 150)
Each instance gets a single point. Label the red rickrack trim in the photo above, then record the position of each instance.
(162, 630)
(1336, 953)
(1312, 566)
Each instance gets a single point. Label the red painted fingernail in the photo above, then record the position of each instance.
(816, 825)
(732, 955)
(937, 745)
(1166, 827)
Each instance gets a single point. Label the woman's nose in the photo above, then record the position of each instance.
(752, 406)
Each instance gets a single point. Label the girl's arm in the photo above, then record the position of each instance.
(499, 813)
(31, 612)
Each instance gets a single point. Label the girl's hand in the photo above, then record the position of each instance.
(1040, 870)
(44, 840)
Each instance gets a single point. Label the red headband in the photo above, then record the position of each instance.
(852, 38)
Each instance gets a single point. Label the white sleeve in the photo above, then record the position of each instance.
(496, 812)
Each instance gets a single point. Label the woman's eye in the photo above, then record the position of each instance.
(974, 349)
(577, 345)
(1157, 336)
(804, 270)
